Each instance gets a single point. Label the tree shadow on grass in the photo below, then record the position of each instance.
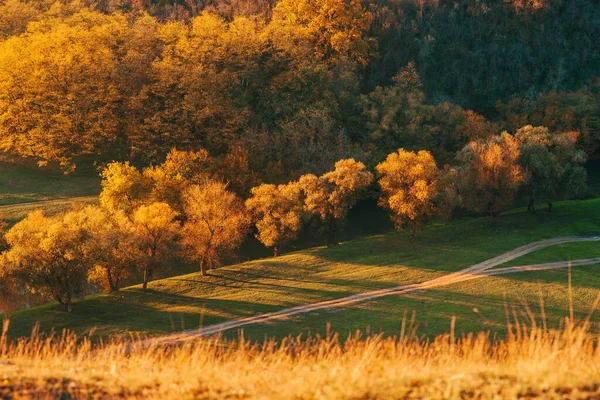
(433, 309)
(128, 312)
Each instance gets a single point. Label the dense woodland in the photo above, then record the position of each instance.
(276, 90)
(211, 120)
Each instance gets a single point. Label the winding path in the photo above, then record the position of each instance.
(46, 202)
(475, 271)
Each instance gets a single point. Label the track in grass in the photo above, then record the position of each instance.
(475, 271)
(46, 202)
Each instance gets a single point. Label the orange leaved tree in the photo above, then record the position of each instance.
(216, 223)
(330, 196)
(412, 187)
(155, 230)
(278, 212)
(48, 254)
(490, 175)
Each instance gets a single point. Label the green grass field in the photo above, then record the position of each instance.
(561, 252)
(378, 261)
(13, 213)
(23, 184)
(22, 188)
(477, 305)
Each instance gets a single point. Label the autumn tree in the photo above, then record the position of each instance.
(389, 112)
(490, 174)
(411, 187)
(14, 17)
(334, 28)
(238, 168)
(330, 196)
(169, 180)
(48, 254)
(277, 212)
(476, 127)
(553, 163)
(125, 188)
(216, 223)
(108, 246)
(398, 116)
(58, 97)
(155, 231)
(208, 72)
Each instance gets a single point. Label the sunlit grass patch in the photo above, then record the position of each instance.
(531, 361)
(322, 273)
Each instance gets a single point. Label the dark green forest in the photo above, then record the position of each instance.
(276, 90)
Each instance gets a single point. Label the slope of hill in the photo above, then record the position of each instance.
(22, 184)
(318, 274)
(27, 188)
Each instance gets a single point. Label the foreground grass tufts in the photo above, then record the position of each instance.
(531, 361)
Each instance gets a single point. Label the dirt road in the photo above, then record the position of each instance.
(47, 202)
(475, 271)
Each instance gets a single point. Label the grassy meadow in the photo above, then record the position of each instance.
(26, 188)
(23, 184)
(379, 261)
(530, 362)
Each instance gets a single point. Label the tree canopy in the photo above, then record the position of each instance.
(490, 174)
(411, 185)
(216, 224)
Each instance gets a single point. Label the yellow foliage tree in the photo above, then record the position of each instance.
(58, 96)
(216, 224)
(123, 187)
(48, 254)
(108, 246)
(155, 231)
(330, 196)
(410, 185)
(180, 170)
(334, 28)
(490, 175)
(206, 75)
(14, 17)
(278, 212)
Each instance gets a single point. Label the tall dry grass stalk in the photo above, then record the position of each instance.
(530, 361)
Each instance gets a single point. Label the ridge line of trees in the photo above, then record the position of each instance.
(181, 208)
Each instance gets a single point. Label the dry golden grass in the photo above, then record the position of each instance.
(530, 362)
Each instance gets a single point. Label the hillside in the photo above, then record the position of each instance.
(26, 188)
(374, 262)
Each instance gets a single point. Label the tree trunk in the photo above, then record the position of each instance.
(413, 230)
(490, 209)
(67, 306)
(531, 204)
(203, 267)
(147, 275)
(331, 232)
(113, 284)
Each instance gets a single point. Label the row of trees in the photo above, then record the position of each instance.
(181, 209)
(148, 218)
